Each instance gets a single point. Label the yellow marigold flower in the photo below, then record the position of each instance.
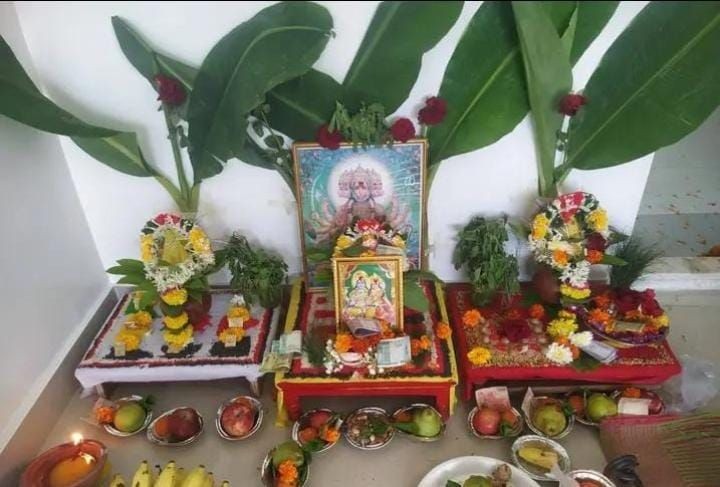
(569, 315)
(661, 321)
(129, 339)
(540, 226)
(178, 339)
(146, 248)
(140, 320)
(343, 342)
(176, 322)
(479, 356)
(598, 220)
(238, 312)
(175, 297)
(233, 331)
(472, 318)
(561, 327)
(574, 292)
(199, 240)
(443, 331)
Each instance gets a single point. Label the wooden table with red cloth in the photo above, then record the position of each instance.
(312, 312)
(525, 361)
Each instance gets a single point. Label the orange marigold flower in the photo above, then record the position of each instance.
(331, 435)
(575, 352)
(425, 342)
(634, 314)
(563, 341)
(472, 318)
(595, 256)
(343, 342)
(602, 300)
(597, 315)
(287, 472)
(632, 392)
(537, 311)
(359, 345)
(443, 331)
(105, 415)
(560, 258)
(415, 347)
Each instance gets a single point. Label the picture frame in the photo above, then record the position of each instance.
(335, 188)
(368, 289)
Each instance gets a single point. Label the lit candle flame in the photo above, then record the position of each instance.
(76, 438)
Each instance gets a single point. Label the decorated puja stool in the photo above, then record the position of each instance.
(435, 375)
(524, 361)
(207, 358)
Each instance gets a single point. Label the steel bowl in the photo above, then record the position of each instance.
(159, 441)
(266, 473)
(375, 411)
(304, 418)
(148, 418)
(514, 433)
(618, 394)
(535, 471)
(256, 426)
(538, 431)
(582, 419)
(422, 439)
(598, 478)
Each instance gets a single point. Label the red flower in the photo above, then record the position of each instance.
(164, 218)
(571, 103)
(327, 139)
(170, 90)
(516, 330)
(433, 112)
(595, 241)
(368, 224)
(402, 130)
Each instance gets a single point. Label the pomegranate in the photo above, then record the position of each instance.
(183, 424)
(237, 419)
(487, 421)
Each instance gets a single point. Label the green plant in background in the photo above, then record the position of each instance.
(256, 274)
(481, 251)
(639, 257)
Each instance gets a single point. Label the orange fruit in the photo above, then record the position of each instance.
(162, 427)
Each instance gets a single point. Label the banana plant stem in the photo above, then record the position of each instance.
(177, 155)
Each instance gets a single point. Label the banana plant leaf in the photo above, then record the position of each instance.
(280, 43)
(120, 152)
(658, 82)
(548, 77)
(388, 61)
(22, 101)
(484, 80)
(591, 18)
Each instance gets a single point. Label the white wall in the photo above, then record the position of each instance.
(80, 64)
(50, 273)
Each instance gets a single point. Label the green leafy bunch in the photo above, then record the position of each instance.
(256, 274)
(365, 128)
(639, 257)
(480, 249)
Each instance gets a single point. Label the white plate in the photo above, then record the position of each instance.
(460, 468)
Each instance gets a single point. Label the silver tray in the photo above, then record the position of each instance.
(122, 434)
(256, 426)
(591, 475)
(514, 433)
(296, 428)
(370, 410)
(421, 439)
(266, 471)
(154, 439)
(538, 431)
(534, 471)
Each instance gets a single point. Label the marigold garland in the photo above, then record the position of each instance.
(537, 311)
(176, 322)
(443, 331)
(236, 333)
(343, 342)
(175, 297)
(179, 339)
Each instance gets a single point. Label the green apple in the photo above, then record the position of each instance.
(129, 417)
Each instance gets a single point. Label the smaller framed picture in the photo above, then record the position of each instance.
(368, 291)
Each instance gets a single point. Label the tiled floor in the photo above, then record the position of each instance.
(695, 331)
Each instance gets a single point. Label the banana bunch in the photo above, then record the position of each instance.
(170, 476)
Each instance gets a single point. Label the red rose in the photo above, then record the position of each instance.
(433, 112)
(170, 90)
(164, 218)
(368, 224)
(595, 241)
(627, 300)
(571, 103)
(516, 330)
(327, 139)
(402, 130)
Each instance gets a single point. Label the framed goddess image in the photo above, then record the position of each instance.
(368, 290)
(337, 188)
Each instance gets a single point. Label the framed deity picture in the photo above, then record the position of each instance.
(368, 290)
(336, 188)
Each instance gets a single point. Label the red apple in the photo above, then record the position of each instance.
(319, 418)
(487, 421)
(237, 419)
(183, 424)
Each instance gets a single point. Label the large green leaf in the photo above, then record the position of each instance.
(22, 101)
(548, 77)
(121, 152)
(591, 18)
(658, 81)
(387, 63)
(146, 60)
(483, 82)
(300, 106)
(279, 43)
